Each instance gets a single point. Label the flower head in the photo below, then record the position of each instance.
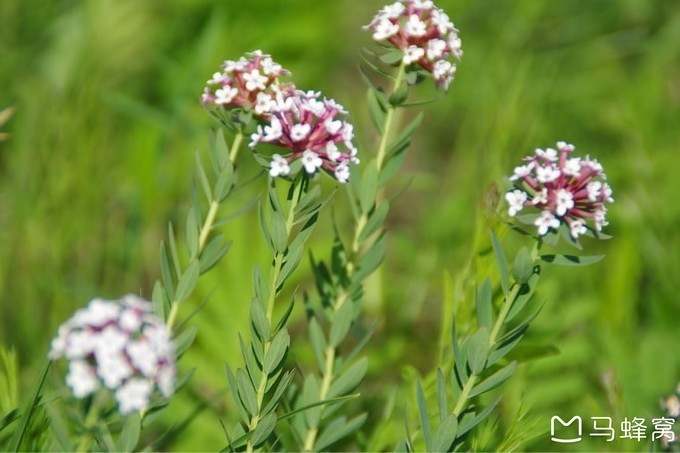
(567, 190)
(424, 33)
(120, 344)
(249, 83)
(313, 129)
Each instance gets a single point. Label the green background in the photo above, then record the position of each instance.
(107, 120)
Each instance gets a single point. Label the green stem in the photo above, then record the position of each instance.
(495, 331)
(207, 227)
(330, 353)
(276, 271)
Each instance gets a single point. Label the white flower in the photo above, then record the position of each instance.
(225, 95)
(278, 166)
(577, 228)
(420, 4)
(315, 106)
(600, 220)
(110, 341)
(594, 164)
(81, 378)
(572, 167)
(607, 193)
(566, 147)
(299, 132)
(131, 319)
(311, 161)
(113, 369)
(143, 357)
(166, 379)
(456, 46)
(394, 10)
(333, 152)
(443, 72)
(79, 344)
(594, 189)
(269, 67)
(522, 171)
(547, 173)
(545, 222)
(100, 312)
(255, 81)
(564, 201)
(332, 126)
(413, 54)
(441, 20)
(347, 132)
(134, 395)
(217, 78)
(342, 172)
(415, 27)
(549, 154)
(540, 197)
(273, 131)
(264, 103)
(435, 49)
(516, 200)
(385, 29)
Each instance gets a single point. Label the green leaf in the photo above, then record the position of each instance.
(342, 321)
(265, 229)
(338, 429)
(369, 187)
(310, 393)
(221, 150)
(446, 434)
(29, 409)
(502, 263)
(166, 273)
(375, 220)
(469, 423)
(246, 391)
(484, 304)
(571, 260)
(259, 320)
(318, 341)
(422, 413)
(192, 234)
(283, 385)
(524, 295)
(213, 252)
(277, 351)
(494, 380)
(264, 429)
(371, 260)
(202, 177)
(442, 400)
(287, 313)
(225, 181)
(185, 339)
(187, 282)
(350, 379)
(173, 249)
(392, 56)
(234, 392)
(459, 358)
(252, 366)
(399, 95)
(160, 301)
(478, 348)
(277, 226)
(375, 110)
(405, 134)
(393, 162)
(523, 266)
(308, 199)
(129, 436)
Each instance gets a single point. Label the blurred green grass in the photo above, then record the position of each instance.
(107, 119)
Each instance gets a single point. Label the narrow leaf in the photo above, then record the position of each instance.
(494, 380)
(571, 260)
(277, 351)
(342, 321)
(422, 413)
(264, 429)
(523, 266)
(478, 348)
(446, 434)
(333, 433)
(484, 304)
(129, 436)
(350, 379)
(187, 282)
(502, 263)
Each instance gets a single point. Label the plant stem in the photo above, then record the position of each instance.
(206, 228)
(330, 354)
(276, 271)
(495, 331)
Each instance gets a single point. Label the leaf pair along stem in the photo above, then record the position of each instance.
(367, 205)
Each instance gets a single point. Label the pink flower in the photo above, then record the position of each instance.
(566, 190)
(312, 129)
(249, 83)
(424, 33)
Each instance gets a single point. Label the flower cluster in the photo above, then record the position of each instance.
(423, 33)
(315, 130)
(121, 344)
(566, 190)
(248, 83)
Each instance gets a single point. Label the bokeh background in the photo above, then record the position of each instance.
(107, 118)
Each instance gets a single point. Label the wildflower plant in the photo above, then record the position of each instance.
(123, 355)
